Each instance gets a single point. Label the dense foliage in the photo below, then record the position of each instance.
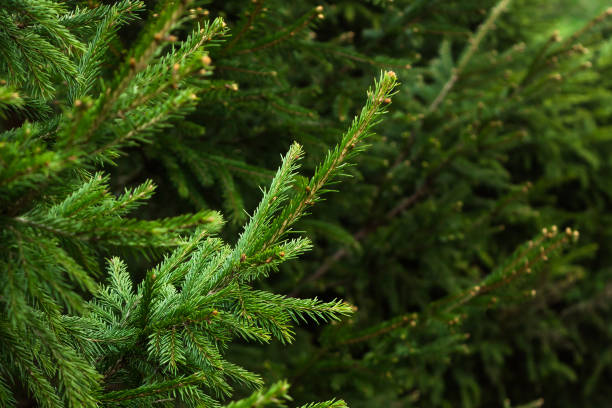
(469, 243)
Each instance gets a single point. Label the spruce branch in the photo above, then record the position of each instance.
(326, 404)
(274, 395)
(36, 45)
(291, 31)
(277, 395)
(524, 262)
(252, 15)
(346, 53)
(92, 214)
(468, 53)
(267, 227)
(9, 98)
(90, 63)
(165, 387)
(567, 43)
(140, 57)
(378, 99)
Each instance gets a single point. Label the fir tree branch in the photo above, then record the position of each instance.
(522, 263)
(266, 228)
(377, 100)
(474, 42)
(285, 34)
(140, 59)
(246, 26)
(275, 394)
(154, 389)
(89, 66)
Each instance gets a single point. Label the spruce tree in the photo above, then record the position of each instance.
(456, 238)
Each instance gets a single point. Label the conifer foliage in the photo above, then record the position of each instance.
(74, 335)
(129, 127)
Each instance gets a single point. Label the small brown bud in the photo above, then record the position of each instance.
(154, 276)
(556, 76)
(319, 9)
(243, 257)
(281, 254)
(387, 100)
(269, 260)
(214, 312)
(157, 37)
(392, 74)
(233, 87)
(206, 60)
(132, 62)
(176, 67)
(172, 38)
(78, 103)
